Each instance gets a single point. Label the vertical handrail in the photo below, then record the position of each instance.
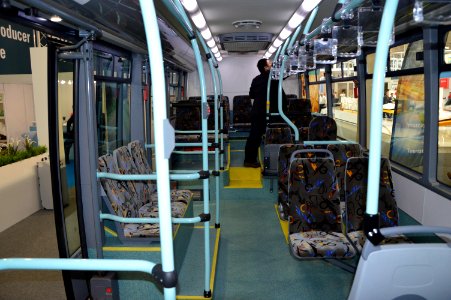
(280, 87)
(162, 153)
(221, 93)
(215, 88)
(377, 93)
(268, 88)
(206, 189)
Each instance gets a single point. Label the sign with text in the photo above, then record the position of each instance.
(15, 42)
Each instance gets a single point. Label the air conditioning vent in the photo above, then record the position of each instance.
(245, 41)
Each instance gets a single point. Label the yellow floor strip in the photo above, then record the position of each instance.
(110, 231)
(283, 224)
(212, 272)
(241, 177)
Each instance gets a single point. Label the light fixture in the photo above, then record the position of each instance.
(55, 18)
(277, 43)
(190, 5)
(211, 43)
(296, 19)
(199, 21)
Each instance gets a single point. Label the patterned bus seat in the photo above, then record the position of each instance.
(147, 189)
(322, 128)
(341, 153)
(179, 198)
(355, 185)
(315, 219)
(242, 106)
(274, 138)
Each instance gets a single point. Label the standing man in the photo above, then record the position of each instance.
(258, 92)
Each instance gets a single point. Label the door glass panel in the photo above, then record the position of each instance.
(66, 145)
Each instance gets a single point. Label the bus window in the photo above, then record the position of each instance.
(447, 50)
(345, 109)
(444, 130)
(404, 57)
(407, 136)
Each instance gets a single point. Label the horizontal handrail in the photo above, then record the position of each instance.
(76, 264)
(140, 177)
(148, 220)
(337, 142)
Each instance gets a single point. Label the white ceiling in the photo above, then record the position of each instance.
(220, 14)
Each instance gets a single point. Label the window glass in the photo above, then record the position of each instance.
(103, 63)
(318, 98)
(404, 57)
(336, 71)
(321, 74)
(444, 130)
(122, 66)
(350, 68)
(447, 50)
(345, 109)
(370, 63)
(113, 115)
(407, 123)
(312, 76)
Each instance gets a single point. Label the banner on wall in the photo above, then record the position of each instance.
(15, 42)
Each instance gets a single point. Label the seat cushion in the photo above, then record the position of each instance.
(320, 244)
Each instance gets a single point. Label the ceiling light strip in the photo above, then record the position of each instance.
(199, 21)
(296, 19)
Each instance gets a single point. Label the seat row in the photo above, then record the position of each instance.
(323, 192)
(320, 128)
(135, 199)
(298, 111)
(188, 117)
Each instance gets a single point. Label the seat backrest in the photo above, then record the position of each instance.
(242, 106)
(283, 168)
(280, 135)
(126, 165)
(341, 153)
(313, 195)
(139, 157)
(187, 115)
(299, 111)
(119, 193)
(356, 184)
(322, 128)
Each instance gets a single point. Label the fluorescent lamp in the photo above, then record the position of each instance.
(219, 58)
(309, 5)
(190, 5)
(217, 54)
(277, 42)
(215, 49)
(285, 33)
(295, 20)
(272, 49)
(206, 34)
(199, 20)
(211, 43)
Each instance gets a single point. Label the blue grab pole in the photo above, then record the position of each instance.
(377, 94)
(206, 190)
(215, 88)
(161, 153)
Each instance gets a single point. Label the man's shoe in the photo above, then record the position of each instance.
(252, 164)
